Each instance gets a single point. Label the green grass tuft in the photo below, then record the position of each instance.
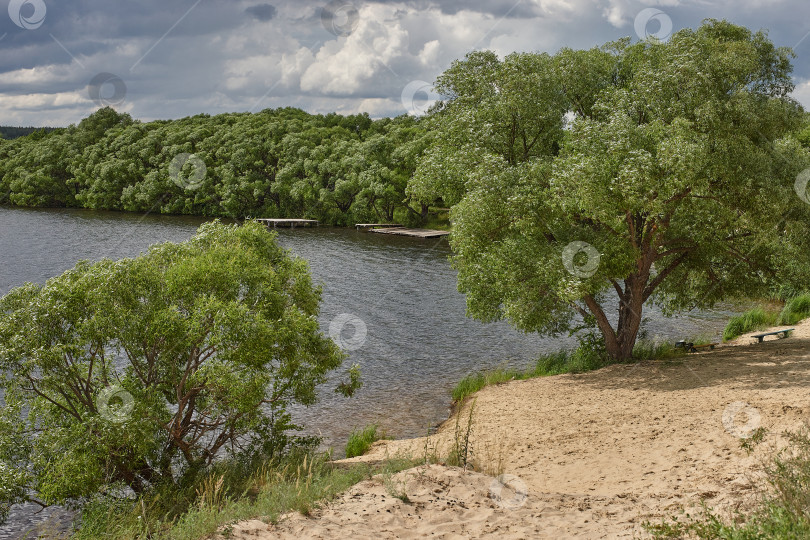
(474, 382)
(755, 319)
(361, 440)
(583, 358)
(796, 309)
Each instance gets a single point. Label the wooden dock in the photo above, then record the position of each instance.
(289, 223)
(367, 226)
(416, 233)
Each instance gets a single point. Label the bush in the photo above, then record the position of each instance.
(796, 309)
(361, 440)
(755, 319)
(143, 372)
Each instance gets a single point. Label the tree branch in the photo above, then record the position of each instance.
(663, 275)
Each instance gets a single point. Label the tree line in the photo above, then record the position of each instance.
(275, 163)
(12, 132)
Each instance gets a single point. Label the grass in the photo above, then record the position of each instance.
(782, 512)
(754, 319)
(461, 455)
(583, 358)
(229, 494)
(361, 440)
(796, 309)
(751, 442)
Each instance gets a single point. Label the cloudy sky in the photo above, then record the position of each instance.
(61, 59)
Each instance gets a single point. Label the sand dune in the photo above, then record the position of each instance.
(593, 455)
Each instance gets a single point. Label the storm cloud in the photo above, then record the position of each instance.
(185, 57)
(262, 12)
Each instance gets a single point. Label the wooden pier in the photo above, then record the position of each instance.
(289, 223)
(367, 226)
(416, 233)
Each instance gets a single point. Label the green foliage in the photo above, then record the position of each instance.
(796, 309)
(783, 513)
(579, 360)
(588, 356)
(230, 493)
(276, 163)
(675, 162)
(804, 133)
(755, 319)
(205, 343)
(753, 440)
(474, 382)
(361, 440)
(11, 132)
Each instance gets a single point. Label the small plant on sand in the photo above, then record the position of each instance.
(491, 455)
(361, 440)
(395, 488)
(431, 450)
(461, 454)
(751, 442)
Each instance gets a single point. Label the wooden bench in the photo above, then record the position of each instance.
(779, 333)
(691, 347)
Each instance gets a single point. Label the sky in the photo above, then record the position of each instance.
(158, 59)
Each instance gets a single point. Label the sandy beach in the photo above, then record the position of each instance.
(591, 455)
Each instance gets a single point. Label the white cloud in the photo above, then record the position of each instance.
(802, 93)
(618, 13)
(38, 76)
(430, 53)
(344, 65)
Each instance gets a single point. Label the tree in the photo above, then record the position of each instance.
(146, 370)
(666, 175)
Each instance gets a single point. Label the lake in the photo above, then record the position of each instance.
(410, 333)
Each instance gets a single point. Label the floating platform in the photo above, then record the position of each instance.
(366, 226)
(416, 233)
(289, 223)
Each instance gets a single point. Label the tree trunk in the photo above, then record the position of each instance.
(619, 343)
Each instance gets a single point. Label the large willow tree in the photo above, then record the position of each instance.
(641, 171)
(145, 371)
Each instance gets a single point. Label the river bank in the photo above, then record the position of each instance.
(594, 455)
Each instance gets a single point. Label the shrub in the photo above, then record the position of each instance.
(361, 440)
(755, 319)
(796, 309)
(143, 372)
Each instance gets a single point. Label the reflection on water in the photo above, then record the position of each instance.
(418, 342)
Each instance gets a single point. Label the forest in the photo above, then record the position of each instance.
(12, 132)
(275, 163)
